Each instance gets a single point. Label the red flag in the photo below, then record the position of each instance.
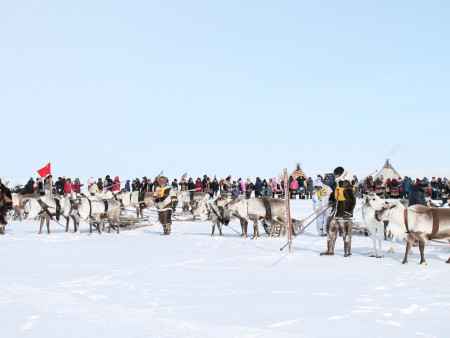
(45, 171)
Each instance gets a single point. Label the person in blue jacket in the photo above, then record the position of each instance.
(258, 187)
(406, 187)
(127, 186)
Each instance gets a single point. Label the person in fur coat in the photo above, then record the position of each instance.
(343, 202)
(165, 201)
(5, 205)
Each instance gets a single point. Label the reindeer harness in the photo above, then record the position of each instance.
(435, 215)
(44, 208)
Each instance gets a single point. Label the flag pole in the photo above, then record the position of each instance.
(288, 209)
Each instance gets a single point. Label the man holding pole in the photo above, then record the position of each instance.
(343, 202)
(166, 197)
(320, 198)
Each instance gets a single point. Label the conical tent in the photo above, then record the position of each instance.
(298, 172)
(387, 171)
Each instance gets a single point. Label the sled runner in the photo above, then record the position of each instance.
(130, 222)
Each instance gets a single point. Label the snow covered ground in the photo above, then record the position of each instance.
(189, 284)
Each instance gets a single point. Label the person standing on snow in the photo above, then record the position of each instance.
(100, 184)
(191, 187)
(116, 184)
(144, 184)
(258, 187)
(92, 186)
(77, 186)
(29, 187)
(343, 202)
(310, 188)
(48, 186)
(183, 184)
(418, 192)
(249, 186)
(108, 183)
(136, 185)
(198, 185)
(165, 200)
(241, 187)
(320, 197)
(214, 187)
(68, 187)
(293, 188)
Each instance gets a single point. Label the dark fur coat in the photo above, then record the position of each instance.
(347, 206)
(5, 203)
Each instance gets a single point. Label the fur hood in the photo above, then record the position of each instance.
(318, 183)
(346, 176)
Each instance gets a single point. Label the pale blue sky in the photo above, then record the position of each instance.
(245, 88)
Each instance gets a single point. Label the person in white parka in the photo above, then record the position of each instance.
(320, 198)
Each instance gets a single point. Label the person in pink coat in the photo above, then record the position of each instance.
(294, 187)
(244, 189)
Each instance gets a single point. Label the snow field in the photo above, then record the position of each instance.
(192, 285)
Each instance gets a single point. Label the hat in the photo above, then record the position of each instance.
(338, 171)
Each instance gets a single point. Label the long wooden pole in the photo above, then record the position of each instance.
(288, 209)
(363, 179)
(312, 214)
(301, 231)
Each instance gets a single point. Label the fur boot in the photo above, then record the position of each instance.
(347, 236)
(329, 251)
(333, 228)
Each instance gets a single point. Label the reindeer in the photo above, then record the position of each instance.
(96, 211)
(424, 223)
(377, 212)
(265, 208)
(127, 198)
(18, 202)
(184, 199)
(47, 207)
(215, 211)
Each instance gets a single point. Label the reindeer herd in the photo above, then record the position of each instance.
(415, 224)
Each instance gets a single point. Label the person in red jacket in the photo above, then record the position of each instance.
(77, 186)
(116, 186)
(198, 185)
(68, 187)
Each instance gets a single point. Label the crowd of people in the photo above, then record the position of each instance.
(299, 187)
(402, 188)
(339, 188)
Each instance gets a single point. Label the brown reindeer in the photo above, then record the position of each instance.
(424, 223)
